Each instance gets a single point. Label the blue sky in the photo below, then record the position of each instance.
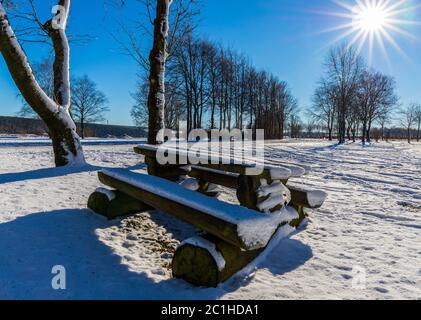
(282, 36)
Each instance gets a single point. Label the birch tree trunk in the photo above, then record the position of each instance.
(54, 112)
(157, 59)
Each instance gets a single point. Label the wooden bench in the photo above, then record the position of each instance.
(235, 235)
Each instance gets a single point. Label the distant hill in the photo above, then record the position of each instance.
(15, 125)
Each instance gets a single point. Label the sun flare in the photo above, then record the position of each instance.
(372, 18)
(374, 23)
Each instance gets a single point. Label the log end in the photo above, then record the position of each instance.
(196, 266)
(122, 205)
(99, 203)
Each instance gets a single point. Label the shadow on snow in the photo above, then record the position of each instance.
(47, 173)
(31, 245)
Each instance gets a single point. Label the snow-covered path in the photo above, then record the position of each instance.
(371, 222)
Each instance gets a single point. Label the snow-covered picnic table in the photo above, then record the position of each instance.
(234, 234)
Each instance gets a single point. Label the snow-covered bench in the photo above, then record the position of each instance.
(235, 235)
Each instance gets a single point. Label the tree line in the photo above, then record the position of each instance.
(351, 99)
(206, 84)
(210, 86)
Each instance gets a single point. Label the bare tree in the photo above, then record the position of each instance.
(132, 36)
(325, 106)
(172, 20)
(409, 119)
(88, 103)
(376, 96)
(344, 67)
(55, 112)
(383, 120)
(295, 125)
(352, 98)
(352, 121)
(311, 126)
(139, 111)
(418, 121)
(174, 106)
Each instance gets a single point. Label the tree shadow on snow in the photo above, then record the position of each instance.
(31, 245)
(46, 173)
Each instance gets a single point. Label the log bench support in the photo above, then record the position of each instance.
(113, 204)
(194, 262)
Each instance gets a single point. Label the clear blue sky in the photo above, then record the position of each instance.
(282, 36)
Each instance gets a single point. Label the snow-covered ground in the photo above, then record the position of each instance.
(371, 223)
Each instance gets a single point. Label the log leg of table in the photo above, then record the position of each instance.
(204, 188)
(301, 211)
(247, 191)
(121, 205)
(196, 265)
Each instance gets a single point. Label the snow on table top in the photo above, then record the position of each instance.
(254, 228)
(278, 172)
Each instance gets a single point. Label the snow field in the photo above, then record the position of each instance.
(371, 222)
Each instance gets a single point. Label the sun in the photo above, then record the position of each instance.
(371, 18)
(374, 23)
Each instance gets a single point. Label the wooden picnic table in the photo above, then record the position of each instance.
(234, 234)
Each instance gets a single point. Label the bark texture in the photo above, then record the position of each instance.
(157, 60)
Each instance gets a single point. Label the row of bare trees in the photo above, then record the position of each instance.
(210, 86)
(411, 121)
(351, 98)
